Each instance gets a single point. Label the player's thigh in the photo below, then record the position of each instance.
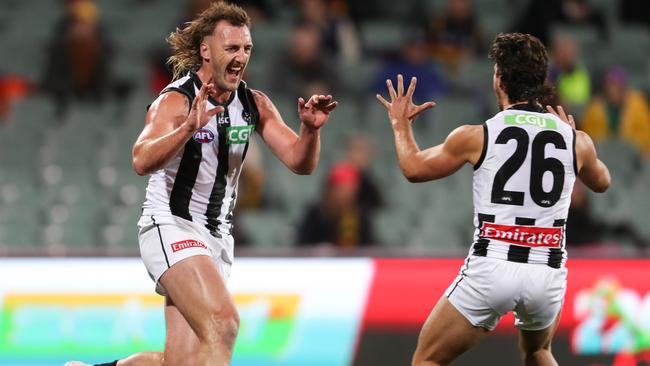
(531, 341)
(181, 343)
(199, 292)
(538, 316)
(446, 334)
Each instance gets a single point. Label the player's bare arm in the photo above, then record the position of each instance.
(299, 152)
(463, 145)
(168, 127)
(591, 170)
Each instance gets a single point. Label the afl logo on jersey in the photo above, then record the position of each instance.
(203, 136)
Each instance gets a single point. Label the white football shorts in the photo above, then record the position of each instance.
(488, 288)
(166, 240)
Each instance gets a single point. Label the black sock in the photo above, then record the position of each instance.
(114, 363)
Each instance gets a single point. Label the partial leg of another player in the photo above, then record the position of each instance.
(138, 359)
(143, 359)
(446, 334)
(200, 296)
(180, 341)
(535, 345)
(181, 344)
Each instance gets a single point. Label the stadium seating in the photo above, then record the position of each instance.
(68, 182)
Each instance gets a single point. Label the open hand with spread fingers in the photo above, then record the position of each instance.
(401, 108)
(200, 115)
(562, 115)
(315, 112)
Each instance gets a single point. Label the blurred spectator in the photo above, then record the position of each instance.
(194, 7)
(338, 35)
(456, 35)
(338, 218)
(250, 190)
(360, 153)
(79, 58)
(584, 229)
(536, 18)
(570, 77)
(304, 70)
(160, 74)
(12, 89)
(581, 12)
(620, 112)
(414, 60)
(258, 10)
(541, 15)
(250, 195)
(635, 11)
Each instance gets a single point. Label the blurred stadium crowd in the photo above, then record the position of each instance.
(77, 75)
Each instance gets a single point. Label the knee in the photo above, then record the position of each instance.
(432, 359)
(220, 326)
(179, 360)
(531, 349)
(530, 356)
(426, 363)
(177, 357)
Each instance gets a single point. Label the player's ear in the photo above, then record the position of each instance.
(204, 49)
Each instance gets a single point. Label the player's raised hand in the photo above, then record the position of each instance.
(562, 115)
(199, 114)
(315, 112)
(401, 107)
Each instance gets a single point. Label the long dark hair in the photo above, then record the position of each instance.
(522, 65)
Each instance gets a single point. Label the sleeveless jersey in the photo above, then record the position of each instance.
(200, 183)
(522, 187)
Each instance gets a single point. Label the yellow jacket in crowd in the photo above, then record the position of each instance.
(634, 121)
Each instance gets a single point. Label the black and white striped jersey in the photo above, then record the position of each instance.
(200, 183)
(522, 187)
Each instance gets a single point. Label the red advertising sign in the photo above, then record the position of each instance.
(404, 291)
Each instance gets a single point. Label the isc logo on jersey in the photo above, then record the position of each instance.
(238, 134)
(530, 119)
(203, 136)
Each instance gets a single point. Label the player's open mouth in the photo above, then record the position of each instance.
(233, 70)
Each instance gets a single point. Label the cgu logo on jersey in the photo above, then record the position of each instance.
(203, 136)
(527, 236)
(530, 119)
(238, 134)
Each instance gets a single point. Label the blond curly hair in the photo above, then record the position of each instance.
(185, 42)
